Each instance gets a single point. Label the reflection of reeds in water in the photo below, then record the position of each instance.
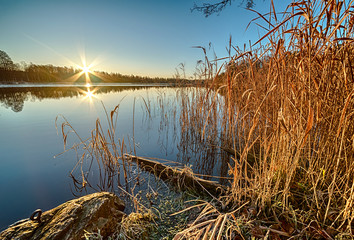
(167, 114)
(101, 154)
(287, 116)
(199, 143)
(173, 110)
(101, 165)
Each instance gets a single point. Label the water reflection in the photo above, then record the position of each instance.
(29, 139)
(15, 97)
(149, 121)
(204, 155)
(90, 94)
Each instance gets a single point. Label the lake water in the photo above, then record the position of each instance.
(30, 176)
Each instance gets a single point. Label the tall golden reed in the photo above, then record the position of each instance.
(287, 113)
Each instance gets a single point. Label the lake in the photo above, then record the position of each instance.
(31, 177)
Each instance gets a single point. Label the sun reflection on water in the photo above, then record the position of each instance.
(89, 94)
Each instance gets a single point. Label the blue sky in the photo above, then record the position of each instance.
(139, 37)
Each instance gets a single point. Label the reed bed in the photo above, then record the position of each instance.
(277, 118)
(100, 163)
(284, 110)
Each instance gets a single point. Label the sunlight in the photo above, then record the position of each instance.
(85, 69)
(89, 94)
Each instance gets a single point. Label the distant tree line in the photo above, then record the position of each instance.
(33, 73)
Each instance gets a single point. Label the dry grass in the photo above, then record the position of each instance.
(102, 152)
(286, 111)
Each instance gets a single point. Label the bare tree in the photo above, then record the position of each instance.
(5, 61)
(209, 8)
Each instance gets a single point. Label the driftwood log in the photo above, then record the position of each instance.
(181, 178)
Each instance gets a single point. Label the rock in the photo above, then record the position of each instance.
(97, 211)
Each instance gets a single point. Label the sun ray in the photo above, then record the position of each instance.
(49, 48)
(84, 68)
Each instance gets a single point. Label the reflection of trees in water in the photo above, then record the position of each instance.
(15, 97)
(204, 155)
(15, 101)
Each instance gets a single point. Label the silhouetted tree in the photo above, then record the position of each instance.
(5, 61)
(23, 72)
(209, 8)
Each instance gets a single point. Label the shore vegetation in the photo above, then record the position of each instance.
(282, 110)
(287, 119)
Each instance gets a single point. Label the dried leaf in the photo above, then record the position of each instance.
(308, 125)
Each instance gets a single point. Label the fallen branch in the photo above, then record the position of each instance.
(181, 178)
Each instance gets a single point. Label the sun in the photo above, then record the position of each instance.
(85, 69)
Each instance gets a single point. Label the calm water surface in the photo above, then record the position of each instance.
(30, 176)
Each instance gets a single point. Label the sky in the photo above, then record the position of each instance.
(139, 37)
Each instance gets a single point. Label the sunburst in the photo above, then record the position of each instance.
(85, 69)
(89, 94)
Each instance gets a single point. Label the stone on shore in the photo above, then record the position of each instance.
(97, 211)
